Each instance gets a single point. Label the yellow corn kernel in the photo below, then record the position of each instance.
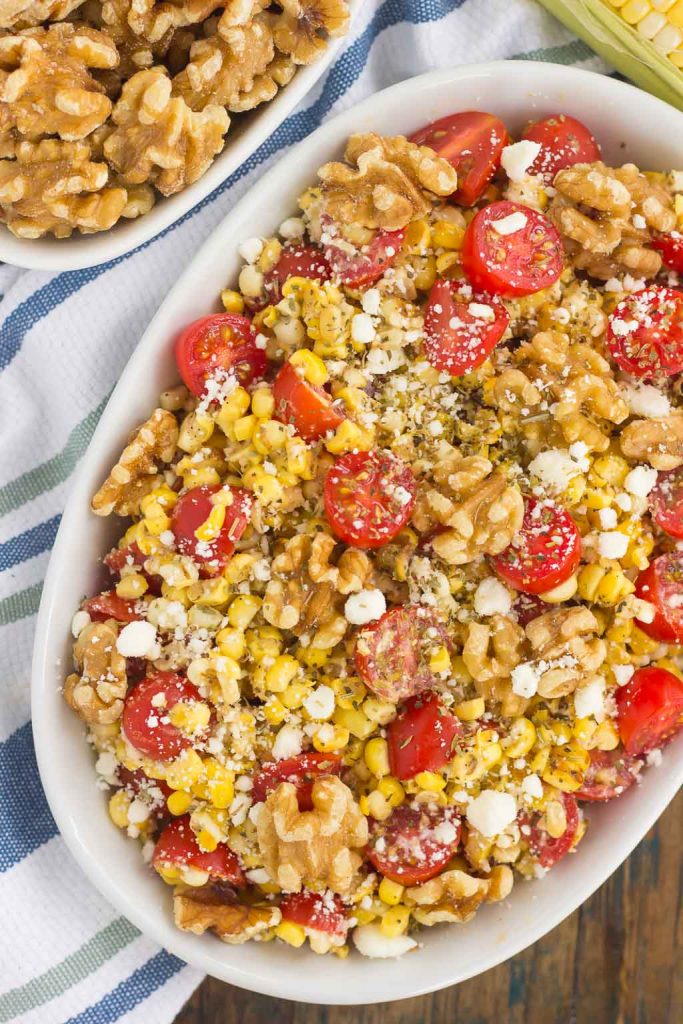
(270, 436)
(132, 586)
(220, 784)
(299, 458)
(355, 721)
(313, 657)
(232, 642)
(199, 476)
(470, 710)
(596, 498)
(395, 921)
(195, 431)
(295, 694)
(604, 586)
(139, 534)
(425, 273)
(243, 609)
(190, 717)
(162, 495)
(606, 736)
(379, 711)
(619, 632)
(212, 525)
(670, 666)
(213, 592)
(539, 761)
(376, 756)
(275, 711)
(375, 806)
(364, 916)
(243, 428)
(347, 437)
(185, 770)
(392, 790)
(390, 892)
(118, 808)
(240, 566)
(609, 469)
(330, 737)
(440, 660)
(430, 782)
(263, 403)
(566, 767)
(584, 730)
(233, 408)
(265, 642)
(446, 235)
(312, 367)
(341, 951)
(417, 237)
(555, 819)
(574, 491)
(641, 643)
(232, 301)
(562, 592)
(490, 750)
(264, 485)
(281, 673)
(206, 841)
(179, 802)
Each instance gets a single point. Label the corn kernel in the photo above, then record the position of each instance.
(233, 408)
(379, 711)
(392, 790)
(430, 782)
(184, 770)
(390, 892)
(190, 717)
(313, 368)
(291, 933)
(376, 756)
(263, 643)
(275, 711)
(179, 802)
(470, 710)
(242, 610)
(641, 643)
(263, 403)
(375, 806)
(232, 301)
(355, 721)
(347, 437)
(231, 642)
(313, 657)
(417, 237)
(446, 235)
(212, 525)
(295, 694)
(606, 736)
(330, 737)
(395, 921)
(281, 673)
(440, 660)
(132, 586)
(118, 808)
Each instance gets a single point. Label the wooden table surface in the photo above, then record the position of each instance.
(617, 960)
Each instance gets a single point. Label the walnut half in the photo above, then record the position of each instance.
(204, 909)
(135, 474)
(96, 691)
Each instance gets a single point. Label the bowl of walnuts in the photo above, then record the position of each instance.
(118, 117)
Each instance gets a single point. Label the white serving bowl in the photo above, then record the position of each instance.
(629, 125)
(247, 132)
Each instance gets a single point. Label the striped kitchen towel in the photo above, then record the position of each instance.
(65, 955)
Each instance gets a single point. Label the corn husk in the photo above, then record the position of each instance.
(621, 46)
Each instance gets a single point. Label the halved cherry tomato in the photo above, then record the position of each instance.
(649, 709)
(546, 551)
(177, 845)
(363, 268)
(369, 497)
(109, 605)
(548, 850)
(415, 843)
(308, 408)
(671, 248)
(472, 142)
(645, 332)
(461, 333)
(301, 771)
(137, 782)
(662, 585)
(392, 653)
(666, 502)
(609, 774)
(216, 346)
(119, 558)
(564, 141)
(146, 723)
(193, 509)
(519, 263)
(421, 738)
(296, 260)
(324, 913)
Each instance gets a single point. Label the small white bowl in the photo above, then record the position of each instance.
(629, 125)
(247, 132)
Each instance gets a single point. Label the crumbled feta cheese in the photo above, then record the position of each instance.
(167, 538)
(589, 700)
(435, 428)
(646, 400)
(492, 598)
(167, 614)
(654, 758)
(364, 607)
(532, 786)
(80, 620)
(106, 766)
(491, 812)
(612, 544)
(288, 742)
(259, 876)
(320, 702)
(379, 361)
(481, 311)
(138, 812)
(554, 469)
(640, 481)
(517, 158)
(622, 673)
(624, 502)
(371, 301)
(292, 228)
(643, 610)
(363, 329)
(508, 225)
(370, 941)
(137, 640)
(608, 518)
(445, 832)
(525, 679)
(251, 249)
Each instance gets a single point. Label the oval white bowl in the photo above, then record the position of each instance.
(630, 125)
(247, 132)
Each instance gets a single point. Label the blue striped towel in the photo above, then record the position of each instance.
(65, 955)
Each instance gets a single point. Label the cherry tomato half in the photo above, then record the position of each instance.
(369, 497)
(472, 141)
(645, 332)
(119, 558)
(671, 248)
(649, 709)
(296, 260)
(662, 585)
(415, 843)
(323, 913)
(460, 334)
(610, 773)
(548, 850)
(421, 738)
(177, 845)
(392, 653)
(363, 268)
(666, 502)
(301, 771)
(215, 346)
(546, 551)
(564, 141)
(522, 262)
(309, 409)
(109, 605)
(193, 509)
(145, 721)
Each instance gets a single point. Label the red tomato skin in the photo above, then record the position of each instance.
(649, 709)
(457, 350)
(671, 248)
(666, 502)
(118, 558)
(527, 607)
(515, 274)
(365, 268)
(192, 509)
(368, 480)
(312, 910)
(109, 605)
(543, 523)
(296, 260)
(653, 350)
(301, 771)
(201, 352)
(162, 741)
(472, 141)
(663, 579)
(564, 142)
(307, 408)
(388, 655)
(548, 850)
(421, 738)
(401, 833)
(177, 844)
(610, 773)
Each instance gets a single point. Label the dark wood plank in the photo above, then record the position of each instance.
(617, 960)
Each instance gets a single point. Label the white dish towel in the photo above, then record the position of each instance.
(65, 954)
